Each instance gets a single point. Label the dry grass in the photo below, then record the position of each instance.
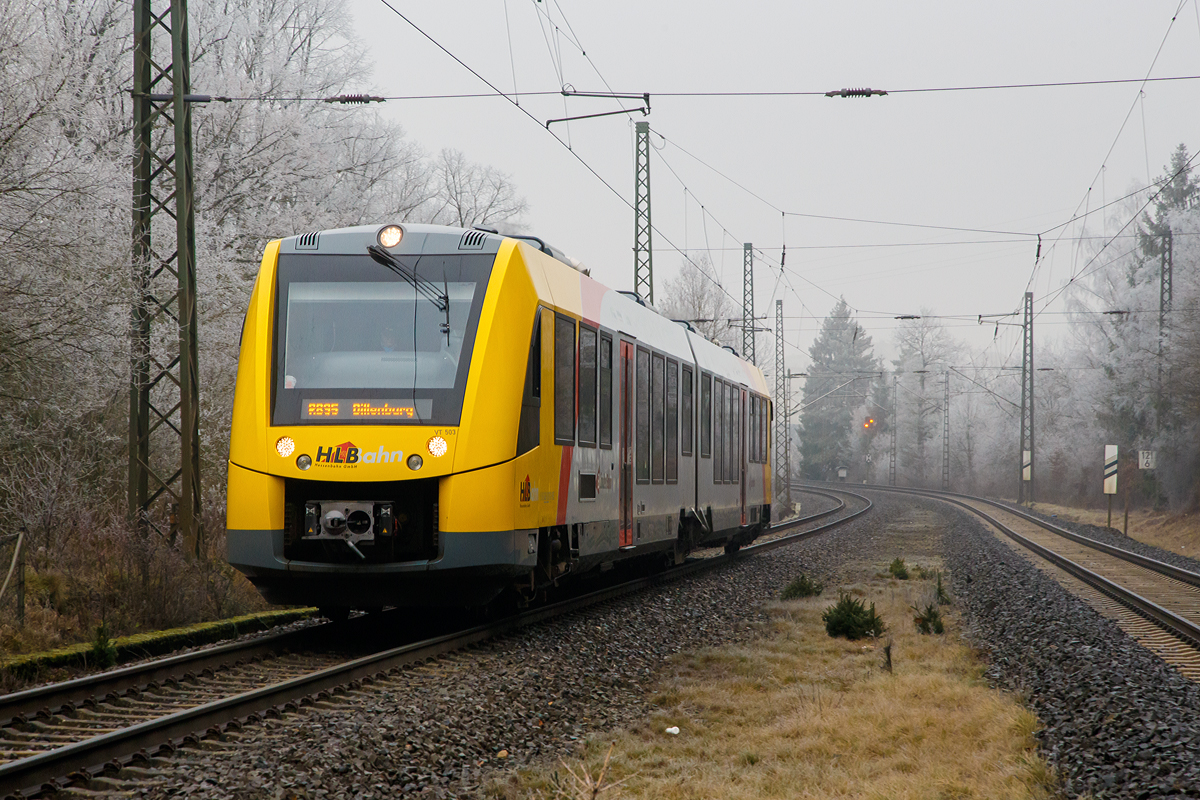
(111, 575)
(801, 715)
(1178, 533)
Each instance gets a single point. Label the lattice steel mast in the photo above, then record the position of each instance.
(892, 458)
(748, 303)
(643, 258)
(946, 436)
(782, 468)
(164, 421)
(1026, 449)
(1165, 290)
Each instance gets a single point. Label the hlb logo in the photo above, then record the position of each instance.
(525, 493)
(344, 453)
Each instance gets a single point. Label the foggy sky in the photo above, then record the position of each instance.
(1013, 160)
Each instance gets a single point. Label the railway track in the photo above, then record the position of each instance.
(1155, 602)
(81, 731)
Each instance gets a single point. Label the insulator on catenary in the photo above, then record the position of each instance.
(855, 92)
(347, 99)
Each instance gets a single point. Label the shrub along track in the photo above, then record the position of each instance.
(1155, 602)
(66, 735)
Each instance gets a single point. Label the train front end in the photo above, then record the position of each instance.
(378, 399)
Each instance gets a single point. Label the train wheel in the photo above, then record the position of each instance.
(732, 547)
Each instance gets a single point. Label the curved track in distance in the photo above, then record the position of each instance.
(1155, 602)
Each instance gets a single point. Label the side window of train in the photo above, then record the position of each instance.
(672, 442)
(733, 455)
(705, 415)
(643, 416)
(719, 411)
(564, 380)
(766, 431)
(751, 429)
(758, 430)
(685, 413)
(606, 356)
(529, 428)
(752, 438)
(731, 451)
(657, 427)
(770, 427)
(763, 444)
(587, 386)
(731, 435)
(765, 421)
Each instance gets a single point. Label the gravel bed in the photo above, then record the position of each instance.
(1119, 722)
(1115, 538)
(439, 729)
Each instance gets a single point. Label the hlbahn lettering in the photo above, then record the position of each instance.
(344, 453)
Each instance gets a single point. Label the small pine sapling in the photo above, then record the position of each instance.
(802, 587)
(929, 620)
(849, 617)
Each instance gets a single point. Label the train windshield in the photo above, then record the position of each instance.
(358, 344)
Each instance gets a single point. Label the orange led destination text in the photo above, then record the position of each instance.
(368, 410)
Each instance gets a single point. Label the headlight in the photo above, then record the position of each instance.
(391, 236)
(437, 447)
(285, 446)
(415, 462)
(303, 462)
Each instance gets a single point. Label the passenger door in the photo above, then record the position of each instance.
(625, 448)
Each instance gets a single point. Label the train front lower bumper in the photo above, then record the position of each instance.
(470, 569)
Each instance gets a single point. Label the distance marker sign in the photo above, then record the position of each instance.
(1110, 469)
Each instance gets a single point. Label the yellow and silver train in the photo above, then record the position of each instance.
(431, 416)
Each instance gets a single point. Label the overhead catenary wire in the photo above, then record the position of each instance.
(666, 239)
(534, 119)
(1121, 129)
(1084, 271)
(748, 93)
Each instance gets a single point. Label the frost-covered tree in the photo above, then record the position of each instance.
(695, 295)
(272, 163)
(834, 399)
(467, 194)
(1135, 370)
(926, 351)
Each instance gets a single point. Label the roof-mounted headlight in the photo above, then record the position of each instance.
(391, 235)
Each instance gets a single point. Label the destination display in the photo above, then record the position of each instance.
(357, 409)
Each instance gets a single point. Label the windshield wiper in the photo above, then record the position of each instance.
(427, 289)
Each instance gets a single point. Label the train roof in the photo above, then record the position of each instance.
(560, 281)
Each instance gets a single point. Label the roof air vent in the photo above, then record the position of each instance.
(634, 296)
(308, 241)
(472, 240)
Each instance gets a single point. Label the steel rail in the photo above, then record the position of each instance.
(840, 504)
(1161, 567)
(1164, 618)
(48, 699)
(41, 773)
(54, 696)
(762, 547)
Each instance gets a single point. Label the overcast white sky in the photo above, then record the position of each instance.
(1017, 160)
